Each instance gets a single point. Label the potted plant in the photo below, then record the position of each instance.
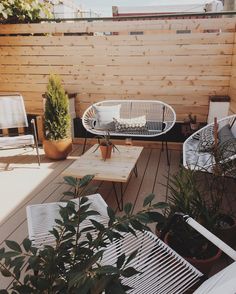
(106, 146)
(74, 264)
(57, 143)
(186, 197)
(193, 122)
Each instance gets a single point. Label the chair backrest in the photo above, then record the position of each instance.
(161, 269)
(41, 218)
(12, 111)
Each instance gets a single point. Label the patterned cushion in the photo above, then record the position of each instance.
(136, 124)
(227, 142)
(206, 139)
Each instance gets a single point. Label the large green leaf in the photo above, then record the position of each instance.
(13, 245)
(148, 199)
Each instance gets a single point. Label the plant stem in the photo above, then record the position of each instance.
(6, 269)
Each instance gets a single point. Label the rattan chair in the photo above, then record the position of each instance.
(161, 269)
(194, 158)
(13, 124)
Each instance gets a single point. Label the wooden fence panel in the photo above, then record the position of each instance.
(180, 62)
(232, 88)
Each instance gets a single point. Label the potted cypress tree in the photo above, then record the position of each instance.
(57, 143)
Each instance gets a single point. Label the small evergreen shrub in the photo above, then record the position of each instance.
(56, 115)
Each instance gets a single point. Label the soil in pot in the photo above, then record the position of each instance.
(57, 150)
(106, 151)
(226, 230)
(203, 265)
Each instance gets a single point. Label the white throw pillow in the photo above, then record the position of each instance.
(105, 114)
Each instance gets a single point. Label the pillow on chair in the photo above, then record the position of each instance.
(206, 139)
(135, 124)
(105, 114)
(227, 142)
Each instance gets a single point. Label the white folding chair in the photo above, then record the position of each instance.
(13, 116)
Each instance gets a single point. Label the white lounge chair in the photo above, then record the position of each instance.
(162, 270)
(13, 116)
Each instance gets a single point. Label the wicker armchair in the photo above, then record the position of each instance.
(194, 157)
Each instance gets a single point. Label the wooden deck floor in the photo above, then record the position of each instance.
(22, 182)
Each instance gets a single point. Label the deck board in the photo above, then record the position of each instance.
(48, 186)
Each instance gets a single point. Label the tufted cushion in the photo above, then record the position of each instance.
(136, 124)
(206, 139)
(104, 116)
(227, 142)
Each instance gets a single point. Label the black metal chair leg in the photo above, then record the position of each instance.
(85, 142)
(36, 140)
(120, 202)
(167, 153)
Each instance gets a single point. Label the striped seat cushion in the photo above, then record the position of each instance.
(16, 141)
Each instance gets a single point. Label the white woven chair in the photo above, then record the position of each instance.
(41, 218)
(13, 116)
(193, 158)
(161, 269)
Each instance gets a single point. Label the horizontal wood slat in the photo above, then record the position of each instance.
(182, 69)
(232, 88)
(151, 50)
(117, 26)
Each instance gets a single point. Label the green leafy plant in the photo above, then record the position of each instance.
(74, 264)
(104, 141)
(56, 114)
(187, 195)
(23, 11)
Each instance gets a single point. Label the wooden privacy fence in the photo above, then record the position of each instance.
(181, 61)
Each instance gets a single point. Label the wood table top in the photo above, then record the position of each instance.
(115, 169)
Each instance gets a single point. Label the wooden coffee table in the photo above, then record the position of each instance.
(117, 169)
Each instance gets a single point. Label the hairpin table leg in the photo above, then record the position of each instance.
(120, 202)
(136, 170)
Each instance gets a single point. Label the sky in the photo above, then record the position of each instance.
(104, 7)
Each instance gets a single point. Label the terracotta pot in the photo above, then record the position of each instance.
(203, 265)
(106, 151)
(58, 149)
(194, 127)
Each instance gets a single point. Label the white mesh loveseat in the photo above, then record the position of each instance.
(129, 118)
